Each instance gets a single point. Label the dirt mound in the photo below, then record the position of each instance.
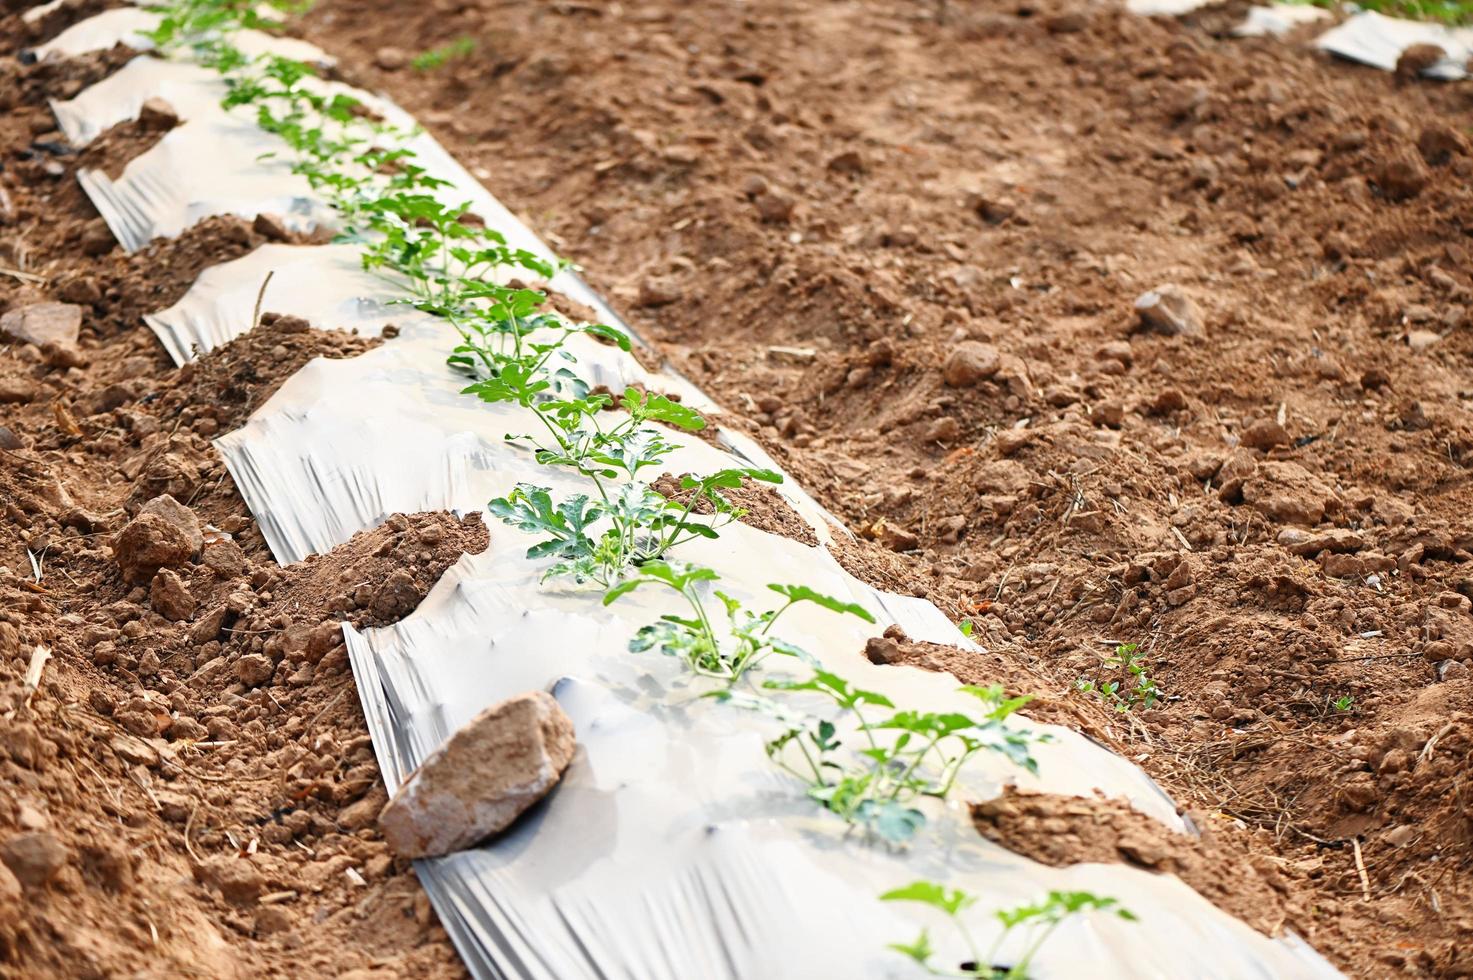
(237, 378)
(1062, 830)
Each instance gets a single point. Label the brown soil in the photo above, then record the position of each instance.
(881, 181)
(191, 790)
(1274, 511)
(1061, 830)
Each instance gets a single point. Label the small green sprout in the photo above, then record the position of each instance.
(462, 47)
(1344, 703)
(1039, 920)
(1134, 690)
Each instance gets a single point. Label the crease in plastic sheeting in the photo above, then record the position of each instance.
(1374, 39)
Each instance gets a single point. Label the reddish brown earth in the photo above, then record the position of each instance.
(948, 210)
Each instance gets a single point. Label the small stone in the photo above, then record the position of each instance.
(169, 596)
(1116, 350)
(848, 162)
(148, 543)
(178, 515)
(188, 729)
(1418, 58)
(61, 357)
(271, 227)
(396, 598)
(1420, 340)
(1265, 434)
(993, 210)
(657, 291)
(969, 362)
(390, 58)
(97, 239)
(1343, 566)
(1168, 401)
(273, 920)
(944, 429)
(34, 858)
(1312, 543)
(773, 207)
(1109, 413)
(134, 751)
(1400, 836)
(239, 881)
(485, 776)
(1439, 143)
(881, 650)
(1167, 309)
(1009, 441)
(896, 538)
(356, 816)
(254, 669)
(44, 323)
(9, 440)
(16, 391)
(156, 115)
(1401, 176)
(1070, 22)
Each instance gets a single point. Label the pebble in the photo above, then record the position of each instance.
(1265, 434)
(1439, 143)
(657, 291)
(254, 669)
(157, 115)
(16, 391)
(390, 58)
(1167, 309)
(34, 858)
(272, 227)
(485, 776)
(944, 429)
(148, 543)
(1402, 176)
(1418, 58)
(969, 362)
(774, 207)
(396, 597)
(170, 597)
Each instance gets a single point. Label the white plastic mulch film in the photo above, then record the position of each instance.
(672, 848)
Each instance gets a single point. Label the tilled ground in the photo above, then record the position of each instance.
(901, 241)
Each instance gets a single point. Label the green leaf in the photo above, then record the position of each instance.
(802, 593)
(920, 950)
(659, 408)
(948, 900)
